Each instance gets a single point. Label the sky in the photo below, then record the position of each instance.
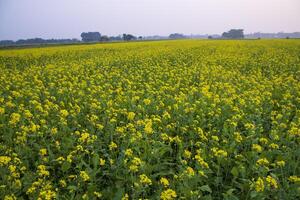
(68, 18)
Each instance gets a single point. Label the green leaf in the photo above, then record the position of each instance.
(65, 166)
(234, 171)
(205, 188)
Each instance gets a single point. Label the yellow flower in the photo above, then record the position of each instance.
(62, 183)
(219, 152)
(125, 197)
(53, 131)
(113, 146)
(27, 114)
(148, 127)
(215, 138)
(145, 180)
(102, 162)
(147, 101)
(271, 182)
(280, 163)
(201, 162)
(2, 111)
(42, 171)
(98, 194)
(10, 197)
(263, 140)
(237, 137)
(14, 118)
(257, 148)
(64, 113)
(294, 179)
(43, 152)
(128, 152)
(190, 171)
(274, 146)
(187, 154)
(164, 182)
(4, 160)
(130, 115)
(262, 161)
(135, 164)
(259, 185)
(168, 194)
(84, 176)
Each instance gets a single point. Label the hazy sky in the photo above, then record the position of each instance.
(68, 18)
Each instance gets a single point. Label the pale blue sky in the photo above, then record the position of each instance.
(68, 18)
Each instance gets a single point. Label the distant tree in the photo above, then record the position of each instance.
(140, 37)
(287, 37)
(6, 42)
(104, 38)
(115, 38)
(128, 37)
(90, 36)
(234, 34)
(210, 37)
(176, 36)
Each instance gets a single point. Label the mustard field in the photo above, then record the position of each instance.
(186, 119)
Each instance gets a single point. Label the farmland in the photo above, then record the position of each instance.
(185, 119)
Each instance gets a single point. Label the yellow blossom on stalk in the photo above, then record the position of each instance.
(219, 152)
(43, 152)
(262, 161)
(147, 101)
(69, 158)
(10, 197)
(102, 162)
(237, 137)
(280, 163)
(257, 148)
(187, 154)
(201, 161)
(131, 116)
(263, 140)
(215, 138)
(2, 111)
(4, 160)
(85, 177)
(113, 146)
(47, 192)
(128, 152)
(145, 180)
(27, 114)
(62, 183)
(168, 194)
(164, 182)
(53, 131)
(190, 171)
(98, 194)
(148, 127)
(17, 183)
(125, 197)
(274, 146)
(271, 182)
(259, 185)
(294, 179)
(14, 118)
(135, 164)
(42, 171)
(64, 113)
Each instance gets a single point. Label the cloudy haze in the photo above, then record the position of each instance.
(68, 18)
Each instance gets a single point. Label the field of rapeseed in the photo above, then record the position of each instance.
(151, 120)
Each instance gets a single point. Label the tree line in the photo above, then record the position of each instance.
(97, 37)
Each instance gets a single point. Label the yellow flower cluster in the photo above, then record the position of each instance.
(176, 119)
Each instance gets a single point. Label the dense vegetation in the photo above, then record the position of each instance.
(165, 120)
